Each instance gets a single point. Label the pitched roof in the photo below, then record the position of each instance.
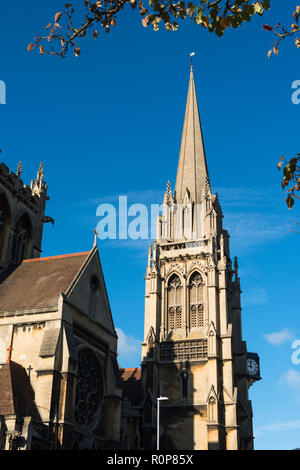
(132, 385)
(16, 393)
(192, 170)
(38, 283)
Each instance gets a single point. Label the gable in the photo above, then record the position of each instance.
(79, 292)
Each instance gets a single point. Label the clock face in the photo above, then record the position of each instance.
(252, 367)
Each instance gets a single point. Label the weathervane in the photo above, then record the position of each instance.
(191, 56)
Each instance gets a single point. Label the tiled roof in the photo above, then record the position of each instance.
(132, 384)
(38, 282)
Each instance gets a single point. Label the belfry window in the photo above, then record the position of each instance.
(196, 301)
(22, 239)
(94, 288)
(174, 303)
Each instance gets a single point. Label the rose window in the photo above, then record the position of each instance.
(89, 389)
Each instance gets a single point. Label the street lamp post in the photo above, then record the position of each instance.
(159, 399)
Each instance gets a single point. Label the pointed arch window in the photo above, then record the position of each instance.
(196, 301)
(94, 288)
(22, 239)
(174, 303)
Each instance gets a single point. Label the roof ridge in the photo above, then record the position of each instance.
(46, 258)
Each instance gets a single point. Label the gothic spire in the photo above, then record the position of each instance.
(192, 173)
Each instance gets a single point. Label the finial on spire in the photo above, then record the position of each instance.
(95, 239)
(191, 56)
(168, 199)
(40, 173)
(236, 266)
(19, 169)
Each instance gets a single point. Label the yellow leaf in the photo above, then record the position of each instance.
(57, 16)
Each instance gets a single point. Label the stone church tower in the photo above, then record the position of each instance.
(193, 352)
(22, 216)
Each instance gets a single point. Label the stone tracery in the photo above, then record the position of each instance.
(89, 389)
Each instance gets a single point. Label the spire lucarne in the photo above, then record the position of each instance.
(192, 173)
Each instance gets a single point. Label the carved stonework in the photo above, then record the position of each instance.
(89, 389)
(176, 267)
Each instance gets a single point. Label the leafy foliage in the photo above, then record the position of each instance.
(282, 32)
(215, 16)
(291, 178)
(291, 168)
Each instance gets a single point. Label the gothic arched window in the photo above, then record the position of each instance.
(22, 239)
(196, 301)
(4, 225)
(174, 303)
(94, 287)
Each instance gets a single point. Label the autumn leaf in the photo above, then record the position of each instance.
(145, 21)
(77, 51)
(275, 50)
(41, 49)
(290, 202)
(224, 22)
(268, 28)
(279, 165)
(204, 21)
(30, 47)
(57, 17)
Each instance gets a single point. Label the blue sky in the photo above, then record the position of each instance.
(109, 123)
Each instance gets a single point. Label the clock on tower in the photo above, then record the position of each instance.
(253, 369)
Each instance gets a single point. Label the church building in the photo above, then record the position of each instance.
(193, 354)
(60, 384)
